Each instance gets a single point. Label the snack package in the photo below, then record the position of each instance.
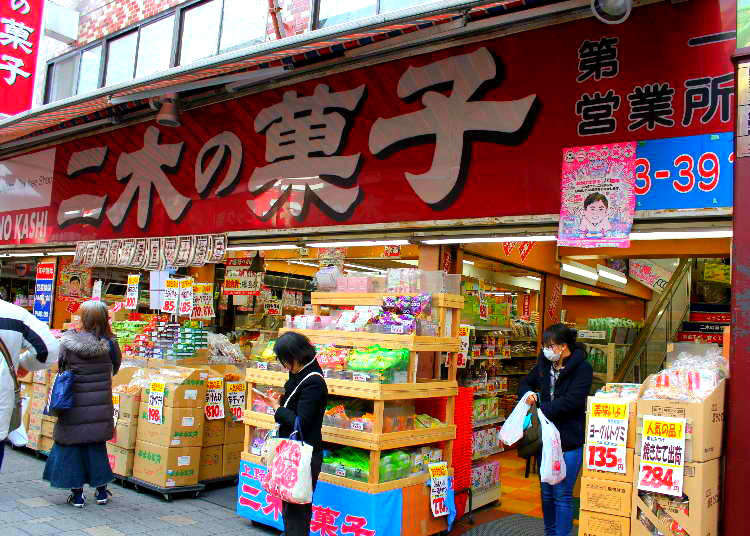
(418, 305)
(690, 378)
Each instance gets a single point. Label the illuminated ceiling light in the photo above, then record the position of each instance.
(534, 277)
(303, 263)
(579, 272)
(26, 254)
(611, 277)
(681, 235)
(61, 253)
(470, 263)
(356, 243)
(490, 239)
(362, 267)
(266, 247)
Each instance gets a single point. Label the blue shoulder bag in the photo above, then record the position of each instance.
(61, 394)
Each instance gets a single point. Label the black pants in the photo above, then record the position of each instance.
(297, 517)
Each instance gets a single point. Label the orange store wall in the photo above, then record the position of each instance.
(580, 308)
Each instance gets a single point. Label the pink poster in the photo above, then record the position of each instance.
(598, 201)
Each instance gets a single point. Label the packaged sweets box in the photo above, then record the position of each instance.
(597, 524)
(120, 460)
(181, 427)
(606, 496)
(166, 467)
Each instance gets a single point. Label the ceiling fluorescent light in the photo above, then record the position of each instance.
(267, 247)
(490, 239)
(535, 278)
(579, 272)
(27, 254)
(611, 277)
(303, 263)
(681, 235)
(470, 263)
(361, 267)
(356, 243)
(61, 253)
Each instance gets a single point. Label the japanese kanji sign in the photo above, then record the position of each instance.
(429, 137)
(20, 33)
(606, 437)
(438, 488)
(662, 455)
(236, 395)
(186, 297)
(203, 300)
(241, 281)
(171, 296)
(214, 408)
(156, 402)
(131, 293)
(598, 201)
(44, 291)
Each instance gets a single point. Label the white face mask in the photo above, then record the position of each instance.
(550, 354)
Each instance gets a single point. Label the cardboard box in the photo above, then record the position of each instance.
(166, 467)
(129, 405)
(120, 460)
(51, 374)
(48, 428)
(606, 496)
(213, 432)
(231, 455)
(616, 477)
(596, 524)
(26, 378)
(632, 420)
(705, 423)
(701, 485)
(211, 463)
(188, 390)
(39, 377)
(35, 436)
(125, 434)
(35, 422)
(234, 432)
(46, 444)
(182, 427)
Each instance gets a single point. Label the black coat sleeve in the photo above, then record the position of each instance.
(310, 399)
(530, 382)
(116, 355)
(575, 397)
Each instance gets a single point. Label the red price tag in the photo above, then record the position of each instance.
(438, 507)
(601, 457)
(130, 302)
(154, 414)
(238, 413)
(656, 477)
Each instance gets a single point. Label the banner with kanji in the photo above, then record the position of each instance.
(337, 511)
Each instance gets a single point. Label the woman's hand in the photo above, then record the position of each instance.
(273, 403)
(531, 399)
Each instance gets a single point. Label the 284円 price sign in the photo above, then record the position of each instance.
(662, 465)
(606, 437)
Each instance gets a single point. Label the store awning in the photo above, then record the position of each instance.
(318, 44)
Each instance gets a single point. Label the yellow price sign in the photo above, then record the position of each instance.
(669, 429)
(609, 410)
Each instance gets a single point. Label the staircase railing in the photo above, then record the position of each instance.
(647, 353)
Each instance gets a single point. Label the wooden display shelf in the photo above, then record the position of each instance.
(366, 390)
(367, 440)
(451, 301)
(414, 343)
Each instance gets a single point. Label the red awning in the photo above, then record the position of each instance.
(83, 109)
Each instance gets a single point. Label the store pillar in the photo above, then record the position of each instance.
(737, 428)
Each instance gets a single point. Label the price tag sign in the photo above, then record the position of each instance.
(171, 296)
(359, 377)
(156, 402)
(662, 455)
(462, 356)
(203, 300)
(186, 297)
(357, 425)
(116, 406)
(96, 290)
(272, 307)
(236, 396)
(214, 399)
(398, 330)
(131, 294)
(438, 488)
(607, 436)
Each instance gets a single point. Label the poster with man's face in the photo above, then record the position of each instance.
(74, 282)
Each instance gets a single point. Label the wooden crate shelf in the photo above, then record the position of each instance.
(366, 390)
(451, 301)
(367, 440)
(415, 343)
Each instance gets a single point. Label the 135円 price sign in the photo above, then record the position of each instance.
(606, 437)
(662, 455)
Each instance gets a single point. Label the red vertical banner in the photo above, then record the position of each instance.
(552, 300)
(20, 35)
(526, 310)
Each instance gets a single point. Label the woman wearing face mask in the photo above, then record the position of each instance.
(305, 399)
(561, 382)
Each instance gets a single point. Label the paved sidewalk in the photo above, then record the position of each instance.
(29, 506)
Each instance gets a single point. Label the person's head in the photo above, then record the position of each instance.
(95, 318)
(595, 207)
(294, 351)
(74, 285)
(559, 341)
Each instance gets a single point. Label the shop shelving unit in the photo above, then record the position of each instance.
(448, 309)
(610, 349)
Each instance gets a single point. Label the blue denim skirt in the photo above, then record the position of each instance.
(72, 466)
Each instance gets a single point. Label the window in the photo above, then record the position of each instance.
(333, 12)
(155, 47)
(88, 78)
(243, 23)
(200, 31)
(121, 58)
(61, 84)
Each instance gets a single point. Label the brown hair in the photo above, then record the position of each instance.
(95, 318)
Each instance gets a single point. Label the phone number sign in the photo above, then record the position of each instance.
(606, 437)
(662, 455)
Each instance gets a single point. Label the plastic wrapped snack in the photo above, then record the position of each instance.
(690, 378)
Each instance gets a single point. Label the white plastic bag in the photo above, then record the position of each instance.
(512, 430)
(552, 469)
(19, 437)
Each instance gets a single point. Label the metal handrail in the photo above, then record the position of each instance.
(641, 341)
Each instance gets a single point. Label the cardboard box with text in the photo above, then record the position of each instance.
(213, 432)
(166, 467)
(231, 455)
(120, 460)
(211, 463)
(596, 524)
(181, 427)
(606, 496)
(126, 433)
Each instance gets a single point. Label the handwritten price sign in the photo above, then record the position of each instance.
(438, 488)
(131, 294)
(236, 396)
(116, 406)
(606, 437)
(156, 402)
(215, 399)
(662, 455)
(171, 296)
(186, 297)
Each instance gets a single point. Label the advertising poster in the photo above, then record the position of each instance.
(171, 296)
(649, 273)
(597, 196)
(43, 291)
(74, 283)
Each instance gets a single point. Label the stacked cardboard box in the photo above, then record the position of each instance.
(696, 513)
(606, 497)
(168, 454)
(36, 414)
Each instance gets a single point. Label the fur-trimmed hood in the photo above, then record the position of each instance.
(85, 344)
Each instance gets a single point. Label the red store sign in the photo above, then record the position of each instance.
(467, 132)
(20, 33)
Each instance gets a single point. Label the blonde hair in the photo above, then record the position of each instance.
(95, 318)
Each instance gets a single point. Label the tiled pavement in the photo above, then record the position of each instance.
(29, 507)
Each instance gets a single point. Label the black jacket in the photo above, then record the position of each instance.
(568, 410)
(308, 403)
(93, 364)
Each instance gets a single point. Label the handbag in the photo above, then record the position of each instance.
(16, 415)
(289, 477)
(531, 442)
(61, 394)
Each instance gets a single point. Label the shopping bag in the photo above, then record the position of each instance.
(19, 437)
(552, 468)
(61, 394)
(269, 446)
(512, 430)
(289, 477)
